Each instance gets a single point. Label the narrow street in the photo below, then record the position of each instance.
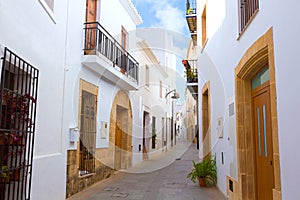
(168, 183)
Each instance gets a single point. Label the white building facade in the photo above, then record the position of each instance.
(32, 102)
(100, 74)
(151, 118)
(246, 53)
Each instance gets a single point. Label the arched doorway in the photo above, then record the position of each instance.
(256, 122)
(121, 131)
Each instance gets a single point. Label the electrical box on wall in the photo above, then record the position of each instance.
(104, 129)
(220, 127)
(73, 134)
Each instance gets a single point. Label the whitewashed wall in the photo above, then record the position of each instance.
(225, 51)
(27, 27)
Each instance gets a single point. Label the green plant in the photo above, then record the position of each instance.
(207, 169)
(4, 173)
(189, 74)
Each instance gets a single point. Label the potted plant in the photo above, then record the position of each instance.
(205, 171)
(190, 75)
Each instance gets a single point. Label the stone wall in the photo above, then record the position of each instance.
(75, 183)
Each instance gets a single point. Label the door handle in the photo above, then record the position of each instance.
(271, 162)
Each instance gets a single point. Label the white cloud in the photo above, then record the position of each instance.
(168, 16)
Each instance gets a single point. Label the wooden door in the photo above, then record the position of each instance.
(263, 142)
(118, 146)
(206, 125)
(91, 29)
(153, 133)
(145, 135)
(91, 10)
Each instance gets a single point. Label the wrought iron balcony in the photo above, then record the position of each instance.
(191, 17)
(191, 71)
(98, 40)
(191, 74)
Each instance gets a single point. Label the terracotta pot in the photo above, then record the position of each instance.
(202, 182)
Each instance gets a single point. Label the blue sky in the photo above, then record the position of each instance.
(168, 14)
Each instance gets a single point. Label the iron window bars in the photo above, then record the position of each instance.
(87, 133)
(247, 10)
(18, 90)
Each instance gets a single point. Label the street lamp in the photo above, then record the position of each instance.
(174, 96)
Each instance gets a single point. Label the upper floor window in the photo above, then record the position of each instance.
(147, 78)
(160, 89)
(124, 38)
(247, 9)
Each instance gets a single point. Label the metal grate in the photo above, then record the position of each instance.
(18, 90)
(87, 133)
(247, 10)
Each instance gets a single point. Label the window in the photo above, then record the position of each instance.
(160, 89)
(18, 94)
(147, 76)
(203, 19)
(124, 38)
(247, 9)
(88, 113)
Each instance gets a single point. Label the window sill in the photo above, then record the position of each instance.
(86, 175)
(247, 25)
(48, 10)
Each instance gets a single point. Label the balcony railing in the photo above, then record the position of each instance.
(191, 71)
(97, 39)
(191, 7)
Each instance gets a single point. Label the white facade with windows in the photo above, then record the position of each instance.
(152, 106)
(221, 57)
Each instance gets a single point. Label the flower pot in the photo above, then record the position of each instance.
(202, 182)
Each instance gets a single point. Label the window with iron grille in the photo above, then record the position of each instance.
(87, 132)
(247, 10)
(18, 90)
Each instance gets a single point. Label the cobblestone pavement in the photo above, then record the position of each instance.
(168, 183)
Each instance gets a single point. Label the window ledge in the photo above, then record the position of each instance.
(48, 10)
(86, 175)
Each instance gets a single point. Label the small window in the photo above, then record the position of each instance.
(246, 12)
(124, 38)
(160, 89)
(260, 78)
(147, 74)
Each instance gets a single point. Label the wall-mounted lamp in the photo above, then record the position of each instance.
(175, 94)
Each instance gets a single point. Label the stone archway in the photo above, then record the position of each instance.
(120, 132)
(259, 54)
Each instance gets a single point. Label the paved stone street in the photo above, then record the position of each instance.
(168, 183)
